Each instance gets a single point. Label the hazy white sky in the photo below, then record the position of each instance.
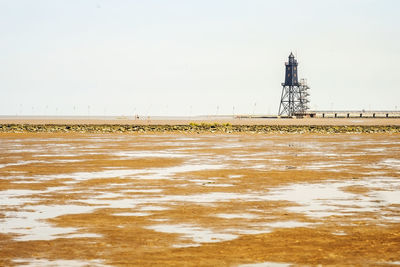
(183, 57)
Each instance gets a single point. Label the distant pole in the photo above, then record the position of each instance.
(233, 111)
(254, 108)
(217, 111)
(147, 112)
(88, 110)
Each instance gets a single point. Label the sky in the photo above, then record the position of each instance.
(187, 58)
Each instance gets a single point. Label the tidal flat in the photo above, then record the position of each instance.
(208, 199)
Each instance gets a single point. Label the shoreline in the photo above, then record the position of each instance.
(215, 125)
(195, 128)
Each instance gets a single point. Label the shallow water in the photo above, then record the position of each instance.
(30, 223)
(328, 199)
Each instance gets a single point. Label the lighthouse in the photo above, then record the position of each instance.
(295, 96)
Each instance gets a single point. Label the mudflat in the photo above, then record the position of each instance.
(206, 199)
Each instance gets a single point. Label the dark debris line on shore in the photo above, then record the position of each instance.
(195, 128)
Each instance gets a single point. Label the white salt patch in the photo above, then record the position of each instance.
(195, 233)
(246, 159)
(375, 149)
(250, 231)
(25, 162)
(57, 189)
(117, 201)
(317, 200)
(287, 224)
(67, 160)
(204, 198)
(391, 218)
(153, 208)
(390, 197)
(258, 167)
(327, 199)
(25, 182)
(58, 145)
(109, 195)
(391, 163)
(232, 145)
(25, 151)
(17, 197)
(80, 176)
(156, 173)
(30, 223)
(185, 138)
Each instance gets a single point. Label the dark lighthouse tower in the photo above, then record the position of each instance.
(294, 99)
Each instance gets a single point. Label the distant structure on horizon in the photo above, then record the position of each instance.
(294, 98)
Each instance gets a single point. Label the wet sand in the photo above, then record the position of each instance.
(199, 199)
